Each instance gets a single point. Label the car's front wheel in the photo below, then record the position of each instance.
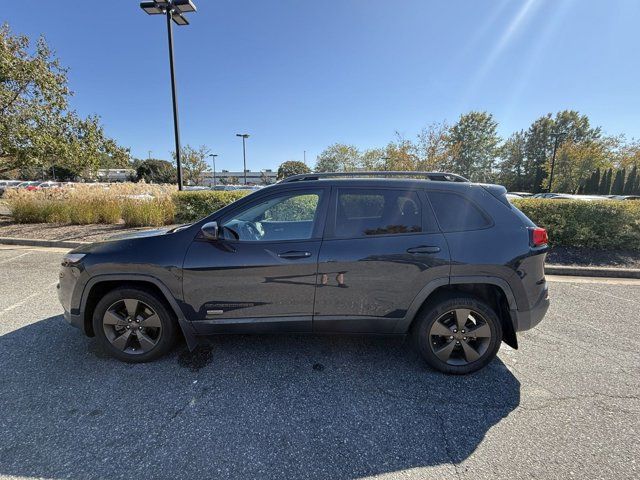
(133, 325)
(458, 334)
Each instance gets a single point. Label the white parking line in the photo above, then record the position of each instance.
(13, 258)
(601, 280)
(35, 249)
(27, 298)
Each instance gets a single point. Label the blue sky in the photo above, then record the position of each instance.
(300, 74)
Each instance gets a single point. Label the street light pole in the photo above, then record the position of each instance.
(553, 158)
(176, 129)
(244, 153)
(213, 161)
(173, 10)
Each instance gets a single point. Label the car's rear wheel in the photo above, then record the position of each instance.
(458, 334)
(134, 325)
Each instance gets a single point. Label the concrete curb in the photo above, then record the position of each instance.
(33, 242)
(610, 272)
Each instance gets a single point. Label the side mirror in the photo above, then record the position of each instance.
(210, 230)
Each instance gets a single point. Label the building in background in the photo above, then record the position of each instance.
(115, 174)
(225, 177)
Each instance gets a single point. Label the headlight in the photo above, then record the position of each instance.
(71, 258)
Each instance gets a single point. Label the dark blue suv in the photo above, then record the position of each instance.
(449, 262)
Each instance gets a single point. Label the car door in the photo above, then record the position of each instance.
(382, 246)
(260, 274)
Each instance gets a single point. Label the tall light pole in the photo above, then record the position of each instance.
(244, 153)
(213, 162)
(556, 137)
(173, 10)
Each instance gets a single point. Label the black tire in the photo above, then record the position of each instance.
(462, 350)
(150, 327)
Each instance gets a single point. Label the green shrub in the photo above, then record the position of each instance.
(601, 225)
(192, 206)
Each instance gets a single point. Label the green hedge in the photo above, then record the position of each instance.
(601, 225)
(192, 206)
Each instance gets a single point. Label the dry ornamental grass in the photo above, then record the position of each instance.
(134, 204)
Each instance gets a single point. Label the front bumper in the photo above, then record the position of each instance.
(75, 320)
(70, 288)
(527, 319)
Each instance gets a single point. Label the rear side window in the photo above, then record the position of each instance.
(362, 213)
(455, 213)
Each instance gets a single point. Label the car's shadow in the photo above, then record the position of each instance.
(246, 407)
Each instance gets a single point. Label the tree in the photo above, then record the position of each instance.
(432, 149)
(400, 155)
(193, 163)
(292, 167)
(373, 159)
(605, 183)
(539, 148)
(574, 162)
(632, 179)
(591, 187)
(265, 179)
(156, 171)
(540, 143)
(512, 162)
(37, 129)
(338, 158)
(474, 141)
(617, 187)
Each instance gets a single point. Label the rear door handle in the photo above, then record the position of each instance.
(293, 254)
(424, 249)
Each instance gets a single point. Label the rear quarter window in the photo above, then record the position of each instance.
(456, 213)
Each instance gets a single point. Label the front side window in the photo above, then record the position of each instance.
(368, 212)
(288, 216)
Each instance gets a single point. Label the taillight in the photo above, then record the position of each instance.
(538, 236)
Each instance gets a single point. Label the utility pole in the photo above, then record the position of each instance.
(553, 158)
(244, 153)
(213, 162)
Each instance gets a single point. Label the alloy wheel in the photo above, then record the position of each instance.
(132, 326)
(460, 336)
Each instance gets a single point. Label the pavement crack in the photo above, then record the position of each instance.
(445, 438)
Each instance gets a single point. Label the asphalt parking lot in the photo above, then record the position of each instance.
(566, 405)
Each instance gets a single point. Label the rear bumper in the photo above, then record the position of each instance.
(527, 319)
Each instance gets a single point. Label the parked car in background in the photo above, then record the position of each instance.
(5, 184)
(26, 184)
(624, 197)
(568, 196)
(512, 196)
(449, 263)
(49, 185)
(521, 194)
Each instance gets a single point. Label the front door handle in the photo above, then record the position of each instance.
(293, 254)
(424, 249)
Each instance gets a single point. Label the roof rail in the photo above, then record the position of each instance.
(433, 176)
